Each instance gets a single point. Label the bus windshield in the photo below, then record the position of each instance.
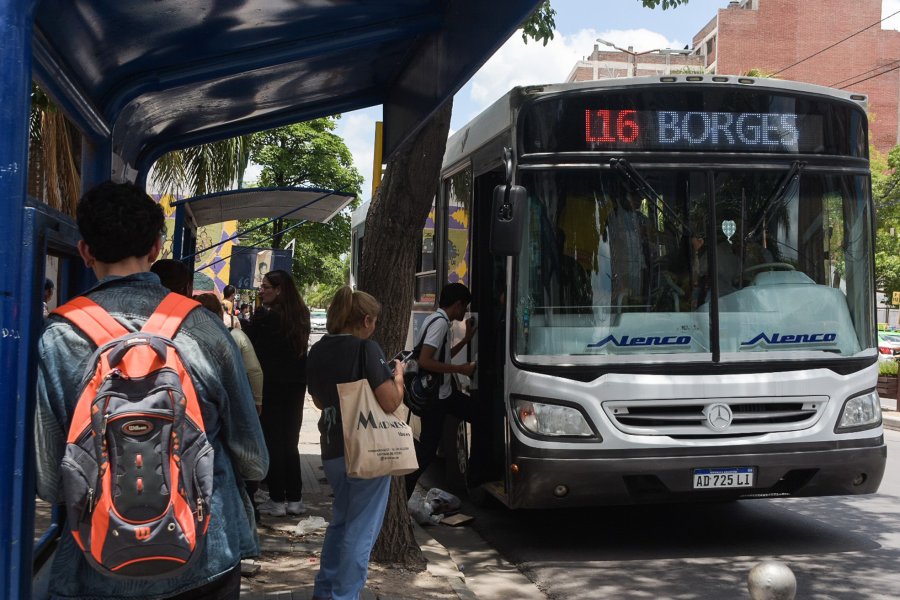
(610, 273)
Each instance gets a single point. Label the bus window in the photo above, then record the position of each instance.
(606, 272)
(458, 191)
(791, 264)
(426, 290)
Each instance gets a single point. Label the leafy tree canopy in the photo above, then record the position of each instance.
(308, 154)
(539, 26)
(886, 194)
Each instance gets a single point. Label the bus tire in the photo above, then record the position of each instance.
(456, 455)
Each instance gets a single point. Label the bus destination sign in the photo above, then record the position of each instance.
(693, 130)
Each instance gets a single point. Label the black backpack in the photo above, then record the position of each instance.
(421, 386)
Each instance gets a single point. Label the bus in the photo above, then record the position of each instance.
(673, 283)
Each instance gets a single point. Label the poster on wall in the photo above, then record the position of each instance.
(248, 265)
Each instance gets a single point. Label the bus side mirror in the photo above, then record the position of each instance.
(508, 219)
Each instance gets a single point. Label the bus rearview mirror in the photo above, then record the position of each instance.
(507, 220)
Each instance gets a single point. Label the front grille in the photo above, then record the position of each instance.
(689, 418)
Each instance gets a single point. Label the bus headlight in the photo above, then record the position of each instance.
(860, 412)
(551, 419)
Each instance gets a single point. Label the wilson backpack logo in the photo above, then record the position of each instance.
(138, 469)
(137, 428)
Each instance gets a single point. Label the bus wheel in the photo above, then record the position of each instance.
(457, 456)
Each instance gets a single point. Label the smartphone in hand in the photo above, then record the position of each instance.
(403, 355)
(400, 358)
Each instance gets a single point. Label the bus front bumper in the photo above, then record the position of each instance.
(544, 479)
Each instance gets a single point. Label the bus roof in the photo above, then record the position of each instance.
(168, 74)
(497, 118)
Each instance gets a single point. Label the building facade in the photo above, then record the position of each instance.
(802, 41)
(610, 64)
(834, 43)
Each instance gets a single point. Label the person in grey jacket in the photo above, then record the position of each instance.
(121, 227)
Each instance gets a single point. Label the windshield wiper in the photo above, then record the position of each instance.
(640, 185)
(778, 197)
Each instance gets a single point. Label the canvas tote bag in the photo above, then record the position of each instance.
(375, 443)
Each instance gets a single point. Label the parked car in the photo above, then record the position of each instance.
(317, 319)
(888, 345)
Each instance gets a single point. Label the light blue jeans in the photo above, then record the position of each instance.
(356, 517)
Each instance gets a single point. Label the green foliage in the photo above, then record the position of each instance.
(887, 367)
(688, 71)
(666, 4)
(539, 26)
(203, 169)
(886, 195)
(308, 154)
(756, 72)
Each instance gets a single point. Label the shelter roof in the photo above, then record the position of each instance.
(167, 74)
(301, 204)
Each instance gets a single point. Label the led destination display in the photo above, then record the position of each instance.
(691, 129)
(692, 120)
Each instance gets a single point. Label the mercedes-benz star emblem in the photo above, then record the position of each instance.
(718, 416)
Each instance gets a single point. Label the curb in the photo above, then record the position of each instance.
(891, 420)
(441, 563)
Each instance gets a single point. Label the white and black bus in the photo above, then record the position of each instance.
(673, 278)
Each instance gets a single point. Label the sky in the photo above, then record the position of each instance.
(578, 24)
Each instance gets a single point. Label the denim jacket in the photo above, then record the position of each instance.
(229, 415)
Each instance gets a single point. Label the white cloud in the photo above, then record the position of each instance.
(889, 7)
(516, 63)
(358, 130)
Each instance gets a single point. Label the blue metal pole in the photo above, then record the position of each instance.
(16, 310)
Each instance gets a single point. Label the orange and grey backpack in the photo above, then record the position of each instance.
(138, 470)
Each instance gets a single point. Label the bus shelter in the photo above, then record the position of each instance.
(139, 79)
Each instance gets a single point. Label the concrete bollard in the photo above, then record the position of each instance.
(771, 580)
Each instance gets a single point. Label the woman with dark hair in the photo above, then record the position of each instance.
(280, 335)
(347, 354)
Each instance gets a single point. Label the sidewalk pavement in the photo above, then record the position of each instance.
(493, 578)
(889, 414)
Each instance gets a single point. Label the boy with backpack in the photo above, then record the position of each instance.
(434, 356)
(145, 424)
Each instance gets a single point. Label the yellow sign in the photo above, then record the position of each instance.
(895, 298)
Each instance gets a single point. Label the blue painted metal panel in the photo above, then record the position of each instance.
(170, 74)
(16, 310)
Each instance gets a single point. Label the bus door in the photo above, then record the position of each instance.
(489, 297)
(475, 452)
(49, 253)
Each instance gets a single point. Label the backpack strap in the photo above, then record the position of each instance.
(168, 316)
(92, 319)
(417, 349)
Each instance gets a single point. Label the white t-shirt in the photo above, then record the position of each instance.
(438, 337)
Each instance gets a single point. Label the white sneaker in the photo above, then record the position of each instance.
(272, 509)
(296, 508)
(260, 496)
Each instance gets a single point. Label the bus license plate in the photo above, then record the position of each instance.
(733, 477)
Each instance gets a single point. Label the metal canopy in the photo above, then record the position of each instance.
(169, 74)
(313, 204)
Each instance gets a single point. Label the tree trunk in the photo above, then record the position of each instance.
(387, 271)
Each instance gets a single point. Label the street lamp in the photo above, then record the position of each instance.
(670, 51)
(665, 51)
(631, 53)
